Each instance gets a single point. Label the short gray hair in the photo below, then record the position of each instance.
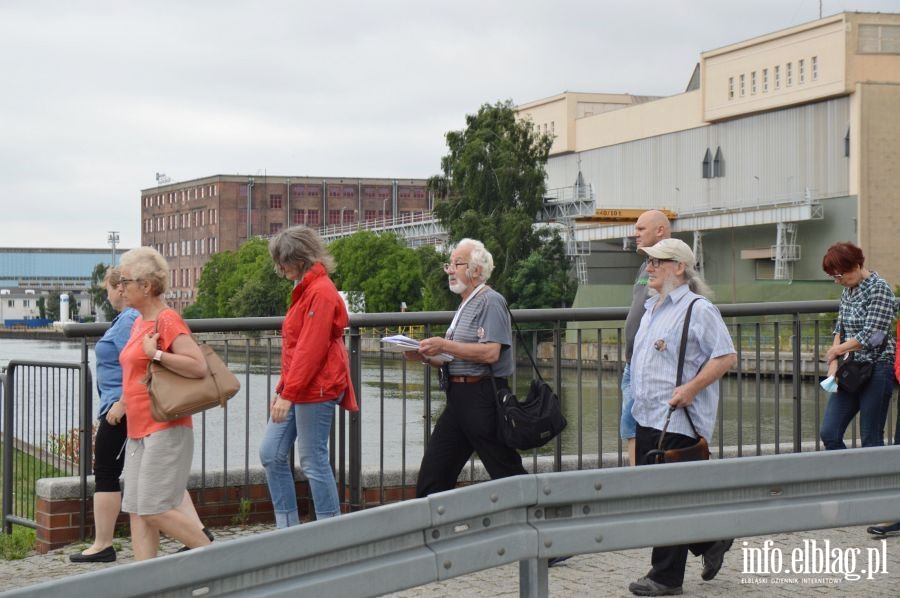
(479, 256)
(146, 263)
(300, 246)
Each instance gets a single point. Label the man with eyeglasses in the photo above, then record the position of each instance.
(479, 339)
(651, 227)
(709, 352)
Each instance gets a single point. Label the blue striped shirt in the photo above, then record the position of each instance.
(655, 361)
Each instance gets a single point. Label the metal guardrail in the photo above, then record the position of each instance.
(525, 519)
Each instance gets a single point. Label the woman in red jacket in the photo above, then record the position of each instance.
(315, 376)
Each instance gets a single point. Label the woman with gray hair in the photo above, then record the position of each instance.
(158, 455)
(479, 340)
(315, 377)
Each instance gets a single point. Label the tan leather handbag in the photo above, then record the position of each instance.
(173, 396)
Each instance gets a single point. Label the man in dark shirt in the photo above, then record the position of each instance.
(651, 227)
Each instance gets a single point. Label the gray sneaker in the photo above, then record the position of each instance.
(647, 587)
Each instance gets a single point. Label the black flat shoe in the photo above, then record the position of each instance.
(107, 555)
(883, 530)
(208, 534)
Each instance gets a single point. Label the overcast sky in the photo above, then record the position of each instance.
(98, 96)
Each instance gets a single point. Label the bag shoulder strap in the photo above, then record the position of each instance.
(522, 342)
(680, 373)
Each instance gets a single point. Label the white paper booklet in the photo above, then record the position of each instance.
(399, 343)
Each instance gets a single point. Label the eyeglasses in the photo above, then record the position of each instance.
(656, 261)
(124, 281)
(836, 276)
(449, 267)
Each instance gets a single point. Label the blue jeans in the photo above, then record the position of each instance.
(627, 425)
(310, 424)
(871, 403)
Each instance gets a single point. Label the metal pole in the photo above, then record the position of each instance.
(8, 403)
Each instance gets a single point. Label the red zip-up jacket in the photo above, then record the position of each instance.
(314, 362)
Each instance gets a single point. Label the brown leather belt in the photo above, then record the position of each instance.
(466, 379)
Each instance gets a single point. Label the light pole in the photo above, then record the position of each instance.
(113, 239)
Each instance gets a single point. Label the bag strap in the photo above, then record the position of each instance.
(523, 343)
(680, 373)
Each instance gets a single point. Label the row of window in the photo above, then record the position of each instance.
(181, 195)
(550, 131)
(185, 220)
(767, 78)
(207, 246)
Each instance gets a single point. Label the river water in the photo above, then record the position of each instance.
(392, 410)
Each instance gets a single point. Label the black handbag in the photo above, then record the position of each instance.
(852, 376)
(695, 452)
(531, 423)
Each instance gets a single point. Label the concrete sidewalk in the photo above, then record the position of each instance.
(850, 551)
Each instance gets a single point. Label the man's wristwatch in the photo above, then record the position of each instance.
(157, 357)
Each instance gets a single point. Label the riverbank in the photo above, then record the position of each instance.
(42, 334)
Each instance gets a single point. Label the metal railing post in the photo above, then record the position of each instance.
(355, 429)
(7, 449)
(86, 427)
(797, 374)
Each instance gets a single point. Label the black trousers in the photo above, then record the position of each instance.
(109, 458)
(668, 562)
(468, 423)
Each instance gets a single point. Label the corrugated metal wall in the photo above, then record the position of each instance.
(768, 158)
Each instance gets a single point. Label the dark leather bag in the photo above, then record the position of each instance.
(852, 376)
(696, 452)
(530, 423)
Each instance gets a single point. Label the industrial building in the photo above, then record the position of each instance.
(189, 221)
(780, 146)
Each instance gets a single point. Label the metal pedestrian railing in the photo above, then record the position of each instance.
(771, 400)
(526, 519)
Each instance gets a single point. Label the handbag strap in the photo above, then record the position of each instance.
(680, 373)
(523, 343)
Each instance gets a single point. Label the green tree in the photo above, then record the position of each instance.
(492, 188)
(52, 306)
(377, 271)
(538, 281)
(98, 294)
(436, 295)
(240, 283)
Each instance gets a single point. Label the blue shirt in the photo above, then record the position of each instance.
(654, 364)
(109, 371)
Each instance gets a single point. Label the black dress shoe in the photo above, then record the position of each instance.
(883, 529)
(713, 559)
(208, 534)
(107, 555)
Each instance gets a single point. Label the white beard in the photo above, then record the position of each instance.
(456, 286)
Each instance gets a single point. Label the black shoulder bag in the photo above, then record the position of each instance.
(531, 423)
(699, 451)
(851, 375)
